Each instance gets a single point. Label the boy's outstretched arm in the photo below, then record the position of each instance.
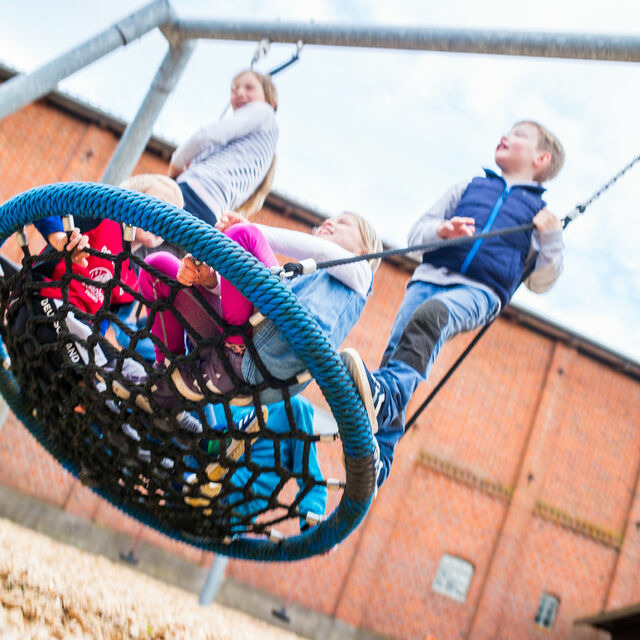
(547, 241)
(426, 229)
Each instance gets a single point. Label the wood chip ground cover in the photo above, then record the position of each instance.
(52, 590)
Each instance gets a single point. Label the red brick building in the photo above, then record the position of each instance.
(513, 506)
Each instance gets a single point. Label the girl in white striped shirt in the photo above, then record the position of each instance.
(229, 164)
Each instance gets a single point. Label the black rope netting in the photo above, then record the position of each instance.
(178, 439)
(181, 456)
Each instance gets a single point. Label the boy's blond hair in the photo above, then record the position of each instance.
(548, 142)
(144, 182)
(370, 241)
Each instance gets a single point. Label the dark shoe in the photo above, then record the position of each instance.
(185, 381)
(216, 375)
(135, 375)
(368, 387)
(185, 421)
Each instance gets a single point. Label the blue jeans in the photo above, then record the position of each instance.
(333, 305)
(430, 315)
(144, 346)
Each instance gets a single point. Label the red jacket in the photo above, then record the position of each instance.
(106, 237)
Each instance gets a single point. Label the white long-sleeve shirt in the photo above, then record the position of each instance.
(295, 244)
(550, 246)
(225, 161)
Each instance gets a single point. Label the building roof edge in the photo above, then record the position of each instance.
(289, 207)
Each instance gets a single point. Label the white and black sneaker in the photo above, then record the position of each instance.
(368, 387)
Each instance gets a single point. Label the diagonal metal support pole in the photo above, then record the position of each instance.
(25, 88)
(139, 130)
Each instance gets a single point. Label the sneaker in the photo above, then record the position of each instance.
(184, 419)
(212, 370)
(132, 371)
(215, 373)
(371, 393)
(185, 381)
(112, 405)
(135, 375)
(162, 392)
(248, 424)
(189, 423)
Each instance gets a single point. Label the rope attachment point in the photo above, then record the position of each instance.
(294, 269)
(576, 212)
(129, 233)
(21, 238)
(67, 223)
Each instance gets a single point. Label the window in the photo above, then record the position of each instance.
(453, 577)
(547, 609)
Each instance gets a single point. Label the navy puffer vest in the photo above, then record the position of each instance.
(497, 262)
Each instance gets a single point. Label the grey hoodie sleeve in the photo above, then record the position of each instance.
(549, 264)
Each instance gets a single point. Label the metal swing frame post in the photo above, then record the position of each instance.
(138, 132)
(214, 580)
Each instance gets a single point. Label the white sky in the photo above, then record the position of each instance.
(384, 133)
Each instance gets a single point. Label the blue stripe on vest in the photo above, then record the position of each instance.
(487, 227)
(496, 262)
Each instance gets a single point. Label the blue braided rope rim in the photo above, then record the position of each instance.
(271, 296)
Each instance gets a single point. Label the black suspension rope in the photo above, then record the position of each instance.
(529, 267)
(295, 269)
(608, 185)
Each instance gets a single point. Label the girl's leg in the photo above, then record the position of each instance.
(166, 326)
(236, 309)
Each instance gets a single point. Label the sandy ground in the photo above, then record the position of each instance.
(52, 590)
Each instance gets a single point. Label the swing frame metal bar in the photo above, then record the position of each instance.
(26, 88)
(619, 48)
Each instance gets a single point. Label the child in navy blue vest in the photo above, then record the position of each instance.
(462, 287)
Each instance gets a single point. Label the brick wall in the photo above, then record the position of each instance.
(526, 465)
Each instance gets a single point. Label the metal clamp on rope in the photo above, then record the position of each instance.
(312, 519)
(21, 238)
(294, 269)
(277, 270)
(129, 233)
(261, 51)
(257, 320)
(68, 223)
